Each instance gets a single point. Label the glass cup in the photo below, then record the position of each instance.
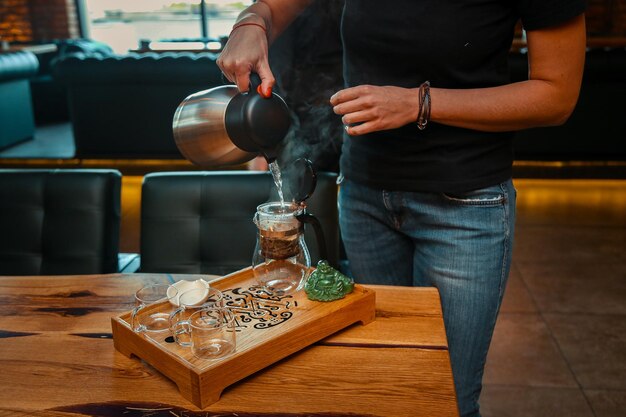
(153, 308)
(212, 332)
(189, 302)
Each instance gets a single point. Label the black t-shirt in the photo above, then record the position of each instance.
(452, 44)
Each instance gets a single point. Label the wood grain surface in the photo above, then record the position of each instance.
(57, 359)
(268, 327)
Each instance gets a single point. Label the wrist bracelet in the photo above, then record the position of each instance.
(238, 25)
(423, 114)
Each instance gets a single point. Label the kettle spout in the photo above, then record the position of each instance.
(269, 155)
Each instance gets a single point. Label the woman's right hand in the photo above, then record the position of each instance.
(247, 47)
(247, 51)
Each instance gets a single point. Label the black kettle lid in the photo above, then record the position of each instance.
(255, 123)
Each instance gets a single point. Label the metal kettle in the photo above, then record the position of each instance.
(222, 126)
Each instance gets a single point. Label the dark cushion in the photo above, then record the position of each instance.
(67, 47)
(49, 96)
(16, 112)
(17, 65)
(123, 107)
(86, 46)
(59, 221)
(49, 100)
(149, 68)
(202, 222)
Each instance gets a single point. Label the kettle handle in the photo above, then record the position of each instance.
(255, 83)
(319, 233)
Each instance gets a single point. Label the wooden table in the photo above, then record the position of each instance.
(57, 359)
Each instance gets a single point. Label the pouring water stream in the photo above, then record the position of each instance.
(278, 180)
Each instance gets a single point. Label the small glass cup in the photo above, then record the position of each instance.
(153, 308)
(212, 332)
(189, 302)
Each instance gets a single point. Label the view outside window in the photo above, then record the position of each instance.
(123, 23)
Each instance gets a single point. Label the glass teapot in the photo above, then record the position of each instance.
(281, 261)
(281, 258)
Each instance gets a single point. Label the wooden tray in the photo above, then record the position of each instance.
(269, 328)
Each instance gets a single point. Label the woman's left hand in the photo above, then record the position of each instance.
(369, 108)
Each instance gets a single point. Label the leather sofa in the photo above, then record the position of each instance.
(123, 106)
(16, 112)
(57, 222)
(596, 130)
(201, 222)
(49, 96)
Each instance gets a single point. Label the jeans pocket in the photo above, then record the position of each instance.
(494, 195)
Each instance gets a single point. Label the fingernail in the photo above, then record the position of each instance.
(265, 94)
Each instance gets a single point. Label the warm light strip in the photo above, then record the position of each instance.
(605, 198)
(136, 162)
(142, 162)
(562, 164)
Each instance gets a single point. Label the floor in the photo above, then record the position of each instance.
(559, 347)
(51, 141)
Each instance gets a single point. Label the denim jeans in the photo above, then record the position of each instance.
(461, 244)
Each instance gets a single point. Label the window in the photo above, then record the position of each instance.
(124, 24)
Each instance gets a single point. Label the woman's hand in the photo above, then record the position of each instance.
(369, 108)
(246, 52)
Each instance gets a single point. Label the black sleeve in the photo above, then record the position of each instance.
(539, 14)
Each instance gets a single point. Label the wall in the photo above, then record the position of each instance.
(15, 21)
(38, 20)
(606, 18)
(44, 20)
(54, 19)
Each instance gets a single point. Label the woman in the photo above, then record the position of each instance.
(429, 113)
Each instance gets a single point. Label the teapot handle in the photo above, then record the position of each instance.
(319, 233)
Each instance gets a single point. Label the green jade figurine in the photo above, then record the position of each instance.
(327, 284)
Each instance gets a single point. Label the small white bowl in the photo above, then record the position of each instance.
(183, 286)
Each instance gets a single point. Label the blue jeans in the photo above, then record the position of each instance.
(460, 244)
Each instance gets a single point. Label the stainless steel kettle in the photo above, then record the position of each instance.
(222, 126)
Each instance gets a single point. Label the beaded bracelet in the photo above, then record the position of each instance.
(423, 115)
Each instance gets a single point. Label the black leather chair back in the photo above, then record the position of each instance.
(56, 222)
(201, 222)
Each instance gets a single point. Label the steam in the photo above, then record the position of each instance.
(315, 134)
(307, 63)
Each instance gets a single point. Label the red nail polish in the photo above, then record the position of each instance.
(265, 94)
